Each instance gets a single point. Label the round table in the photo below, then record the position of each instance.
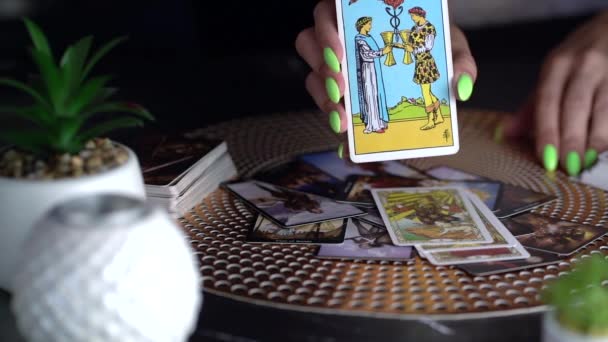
(290, 279)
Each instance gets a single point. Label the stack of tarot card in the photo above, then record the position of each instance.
(180, 168)
(597, 174)
(390, 211)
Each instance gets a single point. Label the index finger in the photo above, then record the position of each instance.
(554, 76)
(326, 28)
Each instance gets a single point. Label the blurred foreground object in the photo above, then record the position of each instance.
(106, 268)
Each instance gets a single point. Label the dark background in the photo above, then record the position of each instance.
(194, 63)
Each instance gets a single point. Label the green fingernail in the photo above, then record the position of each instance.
(465, 87)
(334, 121)
(498, 133)
(341, 151)
(573, 163)
(331, 59)
(590, 158)
(550, 157)
(333, 91)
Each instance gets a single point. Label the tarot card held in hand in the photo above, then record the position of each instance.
(328, 232)
(289, 208)
(430, 216)
(398, 72)
(365, 241)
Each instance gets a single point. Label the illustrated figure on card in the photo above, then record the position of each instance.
(372, 97)
(421, 41)
(398, 79)
(294, 201)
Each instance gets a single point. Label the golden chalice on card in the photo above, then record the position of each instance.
(405, 36)
(387, 37)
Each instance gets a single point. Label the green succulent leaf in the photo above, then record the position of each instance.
(27, 89)
(103, 95)
(35, 114)
(52, 78)
(73, 62)
(579, 298)
(100, 54)
(40, 41)
(67, 130)
(108, 126)
(35, 141)
(115, 107)
(87, 93)
(65, 98)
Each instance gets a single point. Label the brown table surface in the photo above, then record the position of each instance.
(290, 278)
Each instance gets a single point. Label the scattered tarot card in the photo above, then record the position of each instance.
(501, 236)
(488, 191)
(330, 163)
(555, 236)
(300, 176)
(430, 216)
(458, 257)
(515, 228)
(365, 241)
(515, 200)
(504, 246)
(452, 174)
(328, 232)
(290, 208)
(372, 216)
(597, 175)
(398, 68)
(357, 188)
(536, 259)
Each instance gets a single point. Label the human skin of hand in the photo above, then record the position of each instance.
(567, 113)
(322, 50)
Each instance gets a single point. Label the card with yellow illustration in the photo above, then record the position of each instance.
(430, 216)
(501, 236)
(398, 70)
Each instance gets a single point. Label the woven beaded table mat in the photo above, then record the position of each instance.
(290, 277)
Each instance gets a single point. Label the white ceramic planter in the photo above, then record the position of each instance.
(106, 268)
(552, 331)
(22, 202)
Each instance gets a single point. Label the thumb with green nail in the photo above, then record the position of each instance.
(465, 68)
(320, 47)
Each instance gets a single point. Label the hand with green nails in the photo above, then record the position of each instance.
(320, 47)
(567, 113)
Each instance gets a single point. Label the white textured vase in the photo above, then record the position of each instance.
(23, 201)
(554, 332)
(106, 268)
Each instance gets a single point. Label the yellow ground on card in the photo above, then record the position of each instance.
(402, 135)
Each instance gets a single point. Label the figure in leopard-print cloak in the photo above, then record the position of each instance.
(420, 44)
